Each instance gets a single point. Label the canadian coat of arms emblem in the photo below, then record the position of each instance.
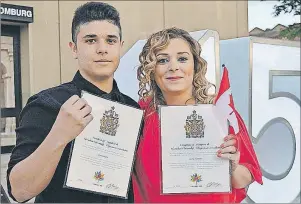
(109, 122)
(194, 126)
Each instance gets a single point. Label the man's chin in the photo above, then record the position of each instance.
(103, 75)
(99, 75)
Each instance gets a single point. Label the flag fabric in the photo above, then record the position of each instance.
(224, 102)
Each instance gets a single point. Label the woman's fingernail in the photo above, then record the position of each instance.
(222, 146)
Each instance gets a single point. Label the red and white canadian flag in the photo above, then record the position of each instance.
(225, 105)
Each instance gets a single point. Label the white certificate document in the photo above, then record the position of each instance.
(190, 139)
(102, 155)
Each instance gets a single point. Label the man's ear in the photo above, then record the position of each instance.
(73, 48)
(121, 43)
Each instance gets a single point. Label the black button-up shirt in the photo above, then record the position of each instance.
(35, 122)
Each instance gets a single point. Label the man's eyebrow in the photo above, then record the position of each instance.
(113, 36)
(90, 36)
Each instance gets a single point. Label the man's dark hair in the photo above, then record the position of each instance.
(94, 11)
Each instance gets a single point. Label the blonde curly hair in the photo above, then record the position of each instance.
(148, 88)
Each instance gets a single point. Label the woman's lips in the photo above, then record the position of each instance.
(174, 78)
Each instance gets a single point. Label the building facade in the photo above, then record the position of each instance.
(35, 37)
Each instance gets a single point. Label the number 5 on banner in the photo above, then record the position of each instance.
(270, 107)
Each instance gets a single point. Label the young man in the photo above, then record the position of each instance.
(54, 117)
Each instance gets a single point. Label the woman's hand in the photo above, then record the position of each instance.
(228, 150)
(241, 176)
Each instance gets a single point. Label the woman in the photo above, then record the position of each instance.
(173, 73)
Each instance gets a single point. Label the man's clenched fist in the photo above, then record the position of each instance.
(74, 116)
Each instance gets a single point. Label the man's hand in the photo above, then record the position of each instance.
(74, 116)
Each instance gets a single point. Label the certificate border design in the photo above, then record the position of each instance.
(140, 131)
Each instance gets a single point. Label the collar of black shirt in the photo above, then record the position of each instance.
(84, 84)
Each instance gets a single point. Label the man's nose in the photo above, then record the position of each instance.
(102, 47)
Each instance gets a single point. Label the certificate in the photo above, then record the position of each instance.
(101, 159)
(190, 139)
